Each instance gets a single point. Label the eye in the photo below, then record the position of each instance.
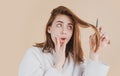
(70, 27)
(59, 25)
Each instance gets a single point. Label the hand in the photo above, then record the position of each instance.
(59, 54)
(104, 41)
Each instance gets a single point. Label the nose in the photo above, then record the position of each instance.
(64, 30)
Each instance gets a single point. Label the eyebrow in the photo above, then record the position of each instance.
(63, 22)
(59, 22)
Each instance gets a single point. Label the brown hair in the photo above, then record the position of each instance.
(74, 45)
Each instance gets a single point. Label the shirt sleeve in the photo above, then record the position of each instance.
(32, 64)
(93, 68)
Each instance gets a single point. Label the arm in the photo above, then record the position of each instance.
(94, 67)
(33, 65)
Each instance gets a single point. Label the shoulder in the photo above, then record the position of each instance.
(34, 51)
(32, 58)
(33, 55)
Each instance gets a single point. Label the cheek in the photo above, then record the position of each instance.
(55, 33)
(70, 34)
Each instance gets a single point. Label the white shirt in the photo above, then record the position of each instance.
(37, 63)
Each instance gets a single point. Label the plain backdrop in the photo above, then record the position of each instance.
(22, 23)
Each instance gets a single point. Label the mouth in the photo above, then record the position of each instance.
(62, 40)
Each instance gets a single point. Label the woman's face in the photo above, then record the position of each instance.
(61, 28)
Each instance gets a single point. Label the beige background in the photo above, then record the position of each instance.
(22, 23)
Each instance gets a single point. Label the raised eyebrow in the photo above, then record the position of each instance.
(59, 22)
(63, 22)
(70, 24)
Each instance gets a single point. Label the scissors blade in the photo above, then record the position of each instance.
(97, 22)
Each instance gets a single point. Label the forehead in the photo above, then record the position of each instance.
(63, 18)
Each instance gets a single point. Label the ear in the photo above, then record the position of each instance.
(49, 29)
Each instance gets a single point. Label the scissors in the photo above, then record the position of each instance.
(97, 22)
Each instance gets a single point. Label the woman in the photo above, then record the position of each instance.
(61, 54)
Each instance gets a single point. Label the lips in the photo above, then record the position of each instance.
(62, 40)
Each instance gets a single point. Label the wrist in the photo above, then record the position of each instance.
(58, 67)
(94, 56)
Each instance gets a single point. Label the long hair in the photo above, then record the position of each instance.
(74, 45)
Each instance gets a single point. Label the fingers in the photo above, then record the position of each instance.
(104, 38)
(63, 46)
(100, 29)
(92, 42)
(104, 41)
(57, 44)
(109, 42)
(60, 46)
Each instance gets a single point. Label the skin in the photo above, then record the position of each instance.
(104, 42)
(61, 31)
